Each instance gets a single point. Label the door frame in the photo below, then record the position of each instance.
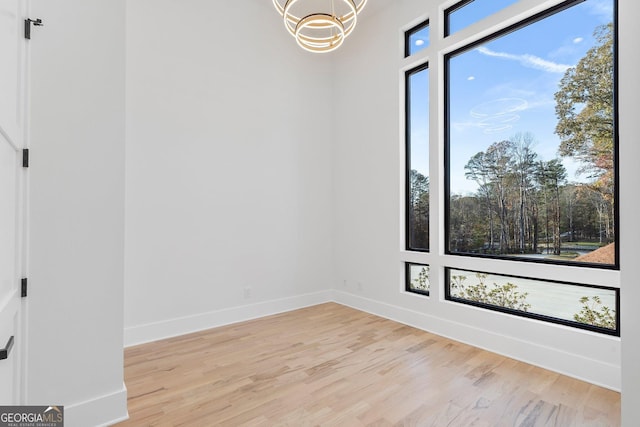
(24, 74)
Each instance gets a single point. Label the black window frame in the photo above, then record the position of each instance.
(447, 14)
(407, 279)
(411, 31)
(535, 316)
(407, 196)
(447, 134)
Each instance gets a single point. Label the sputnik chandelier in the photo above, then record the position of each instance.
(320, 26)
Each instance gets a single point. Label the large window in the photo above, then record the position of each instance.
(531, 140)
(524, 200)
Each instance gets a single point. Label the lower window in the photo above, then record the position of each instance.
(417, 278)
(588, 307)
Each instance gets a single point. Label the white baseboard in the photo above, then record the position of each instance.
(184, 325)
(101, 411)
(571, 364)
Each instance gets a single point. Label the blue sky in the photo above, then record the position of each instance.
(507, 85)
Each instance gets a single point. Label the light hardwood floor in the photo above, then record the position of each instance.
(331, 365)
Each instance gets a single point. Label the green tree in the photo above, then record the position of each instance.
(506, 295)
(594, 313)
(421, 283)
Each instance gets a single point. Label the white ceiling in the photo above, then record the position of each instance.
(371, 7)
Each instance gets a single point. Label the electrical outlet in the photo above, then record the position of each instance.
(247, 292)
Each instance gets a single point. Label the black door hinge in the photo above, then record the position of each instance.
(4, 352)
(27, 26)
(23, 294)
(25, 157)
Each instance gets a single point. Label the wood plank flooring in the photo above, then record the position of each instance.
(331, 365)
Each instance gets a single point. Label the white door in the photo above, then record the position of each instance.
(12, 185)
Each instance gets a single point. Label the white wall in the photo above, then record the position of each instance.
(630, 205)
(76, 244)
(229, 175)
(368, 172)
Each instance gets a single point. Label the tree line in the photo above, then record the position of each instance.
(525, 205)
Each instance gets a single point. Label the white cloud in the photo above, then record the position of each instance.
(499, 107)
(578, 40)
(494, 116)
(471, 78)
(419, 42)
(527, 60)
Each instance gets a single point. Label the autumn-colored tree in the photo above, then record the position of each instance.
(584, 107)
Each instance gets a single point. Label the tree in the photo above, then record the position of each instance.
(506, 295)
(551, 176)
(498, 157)
(569, 192)
(421, 283)
(594, 313)
(522, 162)
(504, 176)
(478, 170)
(418, 210)
(584, 107)
(467, 224)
